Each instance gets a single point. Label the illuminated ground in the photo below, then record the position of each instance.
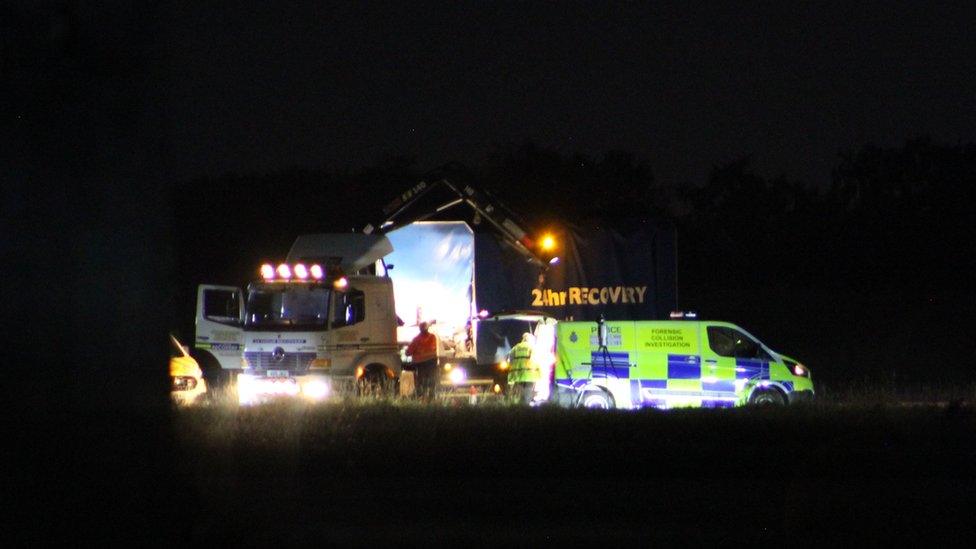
(362, 472)
(359, 473)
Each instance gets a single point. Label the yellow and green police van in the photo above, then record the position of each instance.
(669, 364)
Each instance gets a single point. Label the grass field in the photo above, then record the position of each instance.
(356, 470)
(357, 473)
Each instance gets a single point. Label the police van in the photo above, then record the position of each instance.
(669, 364)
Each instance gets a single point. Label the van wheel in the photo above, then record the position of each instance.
(768, 397)
(596, 399)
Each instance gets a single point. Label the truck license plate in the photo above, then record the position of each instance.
(277, 373)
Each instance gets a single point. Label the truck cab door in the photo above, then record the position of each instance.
(348, 332)
(219, 324)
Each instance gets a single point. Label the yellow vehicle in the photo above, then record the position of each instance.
(188, 386)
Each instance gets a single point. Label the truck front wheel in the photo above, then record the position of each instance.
(214, 376)
(375, 383)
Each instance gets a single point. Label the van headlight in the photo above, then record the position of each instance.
(797, 369)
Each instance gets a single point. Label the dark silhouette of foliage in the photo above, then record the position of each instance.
(862, 276)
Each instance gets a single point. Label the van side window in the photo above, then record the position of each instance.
(721, 340)
(733, 343)
(349, 308)
(745, 347)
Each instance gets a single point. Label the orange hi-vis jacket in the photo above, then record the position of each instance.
(423, 347)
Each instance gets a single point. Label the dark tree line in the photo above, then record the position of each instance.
(867, 275)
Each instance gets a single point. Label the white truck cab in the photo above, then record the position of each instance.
(305, 328)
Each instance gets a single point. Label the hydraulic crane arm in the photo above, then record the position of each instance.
(402, 211)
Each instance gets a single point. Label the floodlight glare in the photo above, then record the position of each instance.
(456, 376)
(548, 243)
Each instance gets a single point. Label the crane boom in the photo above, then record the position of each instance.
(398, 212)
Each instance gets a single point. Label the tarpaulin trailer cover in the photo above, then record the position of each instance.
(447, 272)
(623, 275)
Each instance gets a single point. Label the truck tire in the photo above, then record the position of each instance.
(767, 397)
(597, 399)
(375, 383)
(214, 376)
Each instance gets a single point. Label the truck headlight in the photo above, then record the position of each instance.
(316, 389)
(456, 375)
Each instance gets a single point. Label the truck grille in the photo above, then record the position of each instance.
(293, 362)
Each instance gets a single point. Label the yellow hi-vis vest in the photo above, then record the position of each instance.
(522, 370)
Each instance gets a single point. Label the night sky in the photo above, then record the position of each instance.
(117, 109)
(120, 109)
(272, 86)
(117, 116)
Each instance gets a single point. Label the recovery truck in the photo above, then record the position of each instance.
(318, 323)
(325, 320)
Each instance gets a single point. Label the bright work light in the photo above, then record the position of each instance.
(456, 376)
(267, 271)
(548, 243)
(284, 271)
(316, 272)
(301, 271)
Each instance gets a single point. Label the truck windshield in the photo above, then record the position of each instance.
(288, 307)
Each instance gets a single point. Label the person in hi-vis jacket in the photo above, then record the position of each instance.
(523, 373)
(423, 352)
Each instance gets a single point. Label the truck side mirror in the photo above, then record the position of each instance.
(601, 330)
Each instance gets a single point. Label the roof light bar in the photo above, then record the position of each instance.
(285, 272)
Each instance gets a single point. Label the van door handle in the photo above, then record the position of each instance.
(711, 363)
